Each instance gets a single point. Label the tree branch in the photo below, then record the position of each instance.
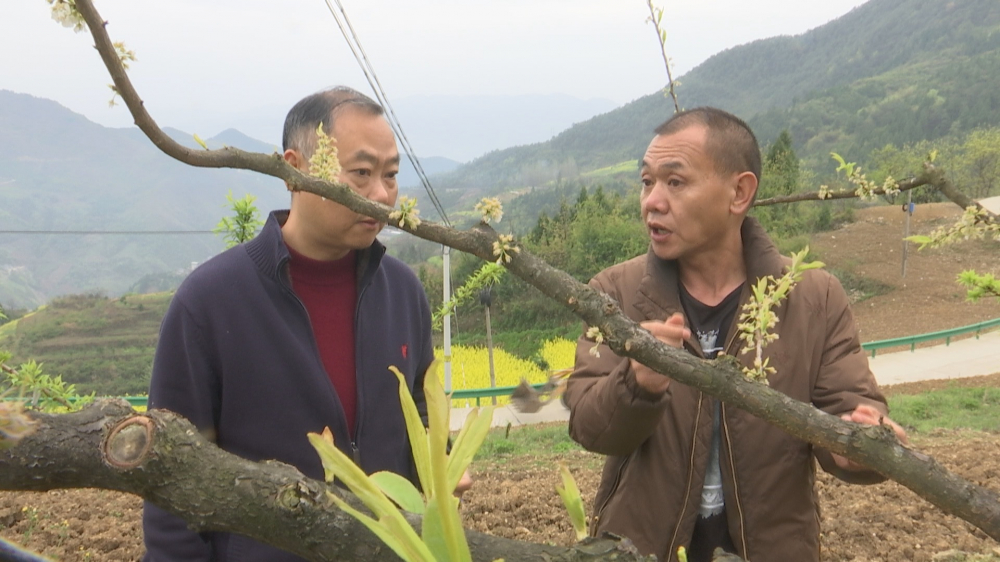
(162, 457)
(926, 178)
(932, 176)
(955, 196)
(871, 446)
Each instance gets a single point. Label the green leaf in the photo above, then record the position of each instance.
(470, 438)
(570, 494)
(329, 472)
(411, 548)
(924, 241)
(399, 490)
(433, 532)
(198, 140)
(438, 411)
(353, 477)
(415, 429)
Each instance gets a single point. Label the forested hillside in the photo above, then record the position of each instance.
(101, 345)
(890, 71)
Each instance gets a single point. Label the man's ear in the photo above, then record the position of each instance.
(746, 189)
(295, 160)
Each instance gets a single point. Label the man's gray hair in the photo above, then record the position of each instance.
(306, 115)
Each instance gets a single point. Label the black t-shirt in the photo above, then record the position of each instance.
(710, 324)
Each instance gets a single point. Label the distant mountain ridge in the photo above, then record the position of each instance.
(889, 71)
(825, 85)
(59, 171)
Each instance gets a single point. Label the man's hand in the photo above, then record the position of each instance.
(464, 483)
(867, 415)
(671, 332)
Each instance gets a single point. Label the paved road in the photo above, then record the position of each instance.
(965, 358)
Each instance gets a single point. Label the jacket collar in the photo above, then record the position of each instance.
(658, 288)
(270, 254)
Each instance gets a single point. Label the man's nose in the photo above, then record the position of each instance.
(381, 191)
(656, 200)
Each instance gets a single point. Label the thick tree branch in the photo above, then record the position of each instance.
(161, 457)
(932, 176)
(873, 447)
(954, 195)
(906, 185)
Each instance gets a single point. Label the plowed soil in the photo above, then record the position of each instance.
(515, 497)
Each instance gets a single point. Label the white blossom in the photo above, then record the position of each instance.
(66, 13)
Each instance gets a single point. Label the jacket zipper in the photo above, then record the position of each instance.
(355, 450)
(736, 485)
(732, 462)
(611, 494)
(687, 489)
(358, 417)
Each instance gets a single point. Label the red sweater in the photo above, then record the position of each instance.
(329, 292)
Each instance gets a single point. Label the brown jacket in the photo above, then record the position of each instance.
(658, 445)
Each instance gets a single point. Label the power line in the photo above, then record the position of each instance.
(369, 71)
(104, 232)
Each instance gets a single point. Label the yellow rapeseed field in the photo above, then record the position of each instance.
(559, 353)
(470, 367)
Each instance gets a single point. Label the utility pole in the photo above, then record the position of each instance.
(486, 299)
(446, 322)
(908, 209)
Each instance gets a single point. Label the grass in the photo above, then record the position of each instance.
(955, 407)
(950, 408)
(541, 440)
(859, 288)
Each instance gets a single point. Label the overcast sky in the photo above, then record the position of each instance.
(198, 58)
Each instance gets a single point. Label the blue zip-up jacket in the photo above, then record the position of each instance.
(238, 358)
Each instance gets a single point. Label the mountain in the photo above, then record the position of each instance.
(62, 172)
(463, 127)
(433, 165)
(232, 137)
(456, 127)
(59, 172)
(888, 71)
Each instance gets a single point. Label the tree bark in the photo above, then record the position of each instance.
(163, 458)
(925, 178)
(875, 447)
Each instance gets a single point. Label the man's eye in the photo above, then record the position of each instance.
(391, 175)
(363, 172)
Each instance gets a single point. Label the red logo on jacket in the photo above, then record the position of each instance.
(403, 349)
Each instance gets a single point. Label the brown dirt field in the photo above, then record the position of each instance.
(515, 498)
(928, 298)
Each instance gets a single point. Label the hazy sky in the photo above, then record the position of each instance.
(199, 59)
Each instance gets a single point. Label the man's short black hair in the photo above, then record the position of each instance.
(730, 143)
(306, 115)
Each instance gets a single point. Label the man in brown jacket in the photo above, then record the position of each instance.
(684, 469)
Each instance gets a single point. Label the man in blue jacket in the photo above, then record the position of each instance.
(294, 330)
